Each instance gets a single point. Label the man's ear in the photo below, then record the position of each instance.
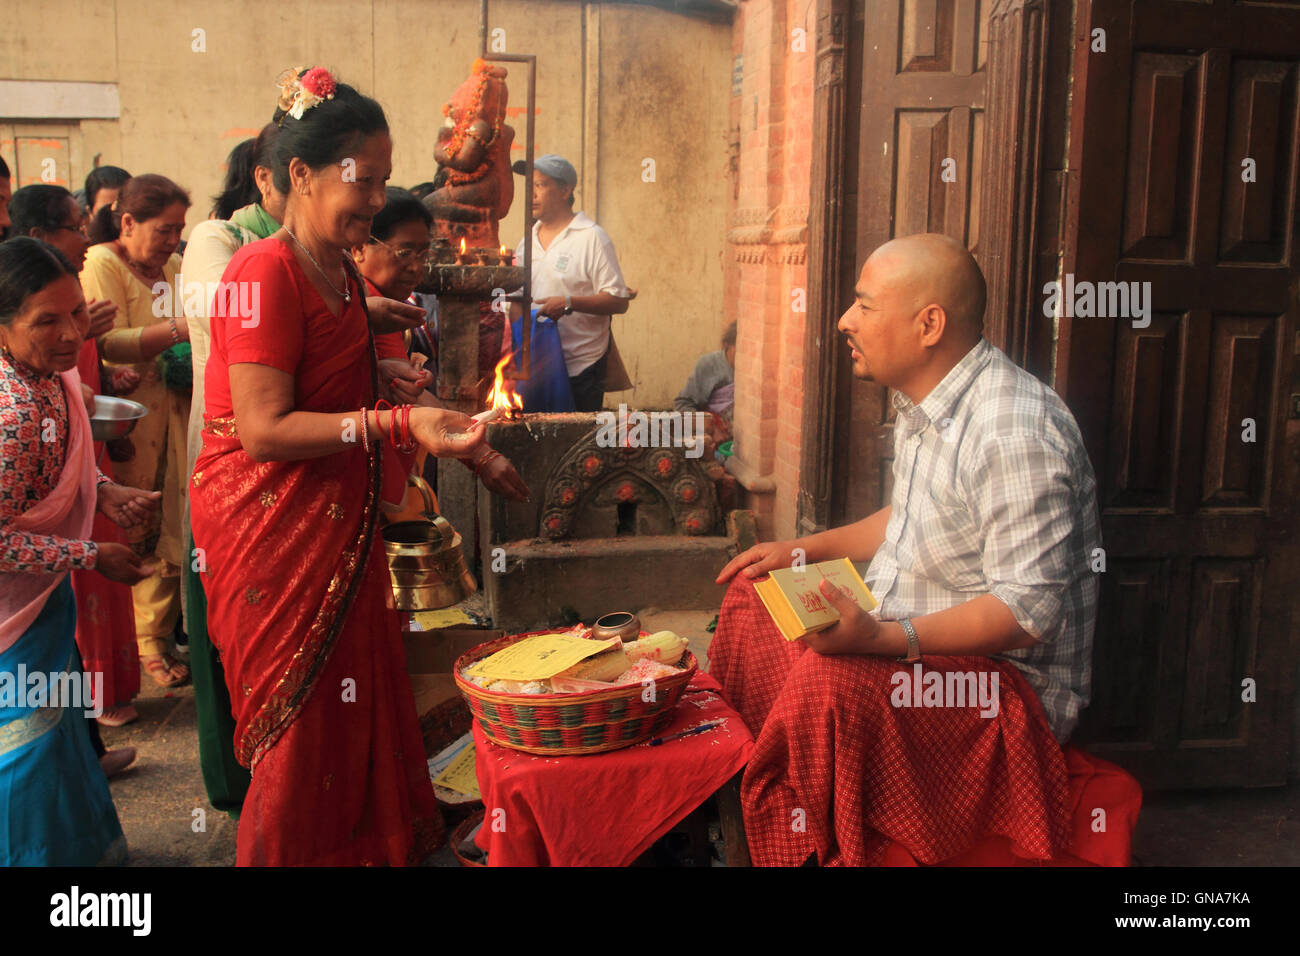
(934, 323)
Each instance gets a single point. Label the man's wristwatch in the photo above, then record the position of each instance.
(913, 645)
(568, 305)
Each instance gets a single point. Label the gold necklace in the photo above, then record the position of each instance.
(346, 293)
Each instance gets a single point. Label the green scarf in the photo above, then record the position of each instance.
(256, 220)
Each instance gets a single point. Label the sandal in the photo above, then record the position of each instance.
(115, 761)
(118, 716)
(165, 671)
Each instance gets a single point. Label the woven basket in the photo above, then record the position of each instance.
(589, 723)
(462, 830)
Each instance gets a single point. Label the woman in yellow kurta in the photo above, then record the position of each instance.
(131, 268)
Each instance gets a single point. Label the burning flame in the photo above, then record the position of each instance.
(503, 250)
(462, 245)
(503, 398)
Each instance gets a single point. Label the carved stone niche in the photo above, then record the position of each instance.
(611, 492)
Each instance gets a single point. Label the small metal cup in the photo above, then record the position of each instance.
(623, 624)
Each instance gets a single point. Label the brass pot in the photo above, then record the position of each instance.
(623, 624)
(425, 559)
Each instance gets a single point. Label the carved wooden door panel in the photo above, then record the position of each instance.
(1184, 141)
(916, 72)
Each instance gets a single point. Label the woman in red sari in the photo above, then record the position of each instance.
(285, 504)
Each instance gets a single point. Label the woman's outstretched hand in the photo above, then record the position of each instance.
(126, 506)
(119, 563)
(499, 477)
(446, 433)
(389, 315)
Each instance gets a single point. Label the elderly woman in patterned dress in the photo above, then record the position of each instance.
(55, 808)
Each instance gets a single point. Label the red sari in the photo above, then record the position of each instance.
(299, 600)
(105, 611)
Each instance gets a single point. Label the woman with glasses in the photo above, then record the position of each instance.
(135, 268)
(393, 262)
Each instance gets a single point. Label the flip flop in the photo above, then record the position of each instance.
(167, 672)
(115, 761)
(118, 716)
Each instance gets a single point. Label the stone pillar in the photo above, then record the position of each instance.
(457, 387)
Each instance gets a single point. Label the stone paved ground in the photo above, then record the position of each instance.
(157, 797)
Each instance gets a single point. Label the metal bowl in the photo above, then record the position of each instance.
(623, 624)
(114, 417)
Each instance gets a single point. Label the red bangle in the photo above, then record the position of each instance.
(407, 445)
(383, 405)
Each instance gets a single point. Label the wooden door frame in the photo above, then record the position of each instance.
(1021, 221)
(826, 224)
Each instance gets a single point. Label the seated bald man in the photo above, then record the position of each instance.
(981, 565)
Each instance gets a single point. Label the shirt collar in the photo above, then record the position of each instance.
(943, 398)
(580, 220)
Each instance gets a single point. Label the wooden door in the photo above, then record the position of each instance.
(916, 80)
(38, 152)
(1199, 521)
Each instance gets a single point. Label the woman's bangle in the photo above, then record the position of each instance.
(365, 430)
(406, 445)
(475, 464)
(171, 324)
(384, 405)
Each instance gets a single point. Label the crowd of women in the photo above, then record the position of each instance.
(238, 522)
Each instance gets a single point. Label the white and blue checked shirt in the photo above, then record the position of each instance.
(994, 494)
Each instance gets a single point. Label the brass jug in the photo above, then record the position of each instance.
(425, 560)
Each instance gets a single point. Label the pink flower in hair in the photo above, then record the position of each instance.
(318, 82)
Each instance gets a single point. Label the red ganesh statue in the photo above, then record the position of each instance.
(475, 184)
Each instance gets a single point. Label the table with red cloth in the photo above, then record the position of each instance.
(607, 809)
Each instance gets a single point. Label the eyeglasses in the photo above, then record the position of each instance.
(79, 228)
(405, 255)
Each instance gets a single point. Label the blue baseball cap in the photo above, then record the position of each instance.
(553, 165)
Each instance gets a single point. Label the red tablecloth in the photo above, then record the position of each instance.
(607, 809)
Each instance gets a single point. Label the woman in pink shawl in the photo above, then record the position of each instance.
(55, 808)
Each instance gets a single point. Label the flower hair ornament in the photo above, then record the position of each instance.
(301, 93)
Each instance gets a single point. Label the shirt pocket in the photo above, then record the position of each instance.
(946, 542)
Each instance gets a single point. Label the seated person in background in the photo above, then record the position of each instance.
(981, 563)
(712, 386)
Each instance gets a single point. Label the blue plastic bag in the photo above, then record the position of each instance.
(547, 387)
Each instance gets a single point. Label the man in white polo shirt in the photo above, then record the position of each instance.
(576, 278)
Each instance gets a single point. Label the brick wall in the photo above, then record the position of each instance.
(766, 268)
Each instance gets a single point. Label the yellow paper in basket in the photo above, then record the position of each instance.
(539, 657)
(460, 775)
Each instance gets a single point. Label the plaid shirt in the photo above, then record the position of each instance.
(994, 494)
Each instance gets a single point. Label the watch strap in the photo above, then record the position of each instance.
(913, 645)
